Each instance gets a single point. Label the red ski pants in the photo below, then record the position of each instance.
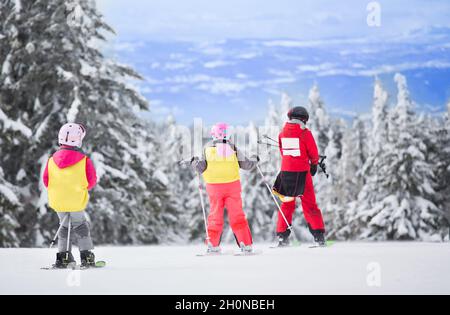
(311, 211)
(227, 196)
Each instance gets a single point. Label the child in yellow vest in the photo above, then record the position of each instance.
(68, 176)
(220, 168)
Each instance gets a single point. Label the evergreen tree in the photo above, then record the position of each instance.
(9, 205)
(190, 184)
(8, 197)
(328, 134)
(379, 117)
(350, 225)
(257, 200)
(354, 155)
(15, 134)
(439, 155)
(258, 203)
(55, 73)
(396, 202)
(319, 122)
(332, 188)
(445, 177)
(175, 143)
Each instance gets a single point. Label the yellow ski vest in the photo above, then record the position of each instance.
(68, 187)
(220, 170)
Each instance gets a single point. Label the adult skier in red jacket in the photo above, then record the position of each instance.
(300, 159)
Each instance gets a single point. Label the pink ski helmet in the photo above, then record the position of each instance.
(72, 134)
(220, 131)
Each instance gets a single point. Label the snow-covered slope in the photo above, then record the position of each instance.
(391, 268)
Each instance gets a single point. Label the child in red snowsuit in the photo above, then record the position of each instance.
(300, 159)
(220, 168)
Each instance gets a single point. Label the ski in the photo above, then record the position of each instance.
(222, 253)
(69, 267)
(276, 246)
(327, 244)
(294, 244)
(253, 253)
(98, 265)
(74, 266)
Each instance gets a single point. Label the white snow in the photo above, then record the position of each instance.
(41, 129)
(115, 172)
(18, 5)
(345, 268)
(21, 174)
(162, 177)
(68, 76)
(86, 69)
(9, 194)
(6, 67)
(73, 111)
(15, 125)
(30, 48)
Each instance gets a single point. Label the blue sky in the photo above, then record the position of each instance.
(224, 60)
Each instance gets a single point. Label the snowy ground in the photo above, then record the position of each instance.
(345, 268)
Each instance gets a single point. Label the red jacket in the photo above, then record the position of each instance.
(298, 148)
(66, 157)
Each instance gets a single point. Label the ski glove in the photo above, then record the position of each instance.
(198, 165)
(194, 162)
(313, 170)
(323, 167)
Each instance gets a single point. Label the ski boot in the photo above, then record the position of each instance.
(87, 259)
(283, 238)
(64, 260)
(246, 249)
(319, 239)
(213, 250)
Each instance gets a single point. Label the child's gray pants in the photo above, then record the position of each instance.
(80, 231)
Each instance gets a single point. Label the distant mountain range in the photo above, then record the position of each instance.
(234, 79)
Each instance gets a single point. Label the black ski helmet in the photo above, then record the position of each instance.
(299, 113)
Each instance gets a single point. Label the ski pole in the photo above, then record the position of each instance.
(57, 233)
(290, 228)
(203, 207)
(268, 144)
(202, 202)
(271, 139)
(68, 236)
(322, 165)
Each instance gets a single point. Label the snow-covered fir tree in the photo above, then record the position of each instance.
(379, 116)
(439, 157)
(15, 135)
(188, 184)
(445, 177)
(9, 205)
(328, 134)
(348, 224)
(331, 187)
(349, 180)
(175, 141)
(354, 155)
(257, 201)
(53, 72)
(319, 122)
(396, 201)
